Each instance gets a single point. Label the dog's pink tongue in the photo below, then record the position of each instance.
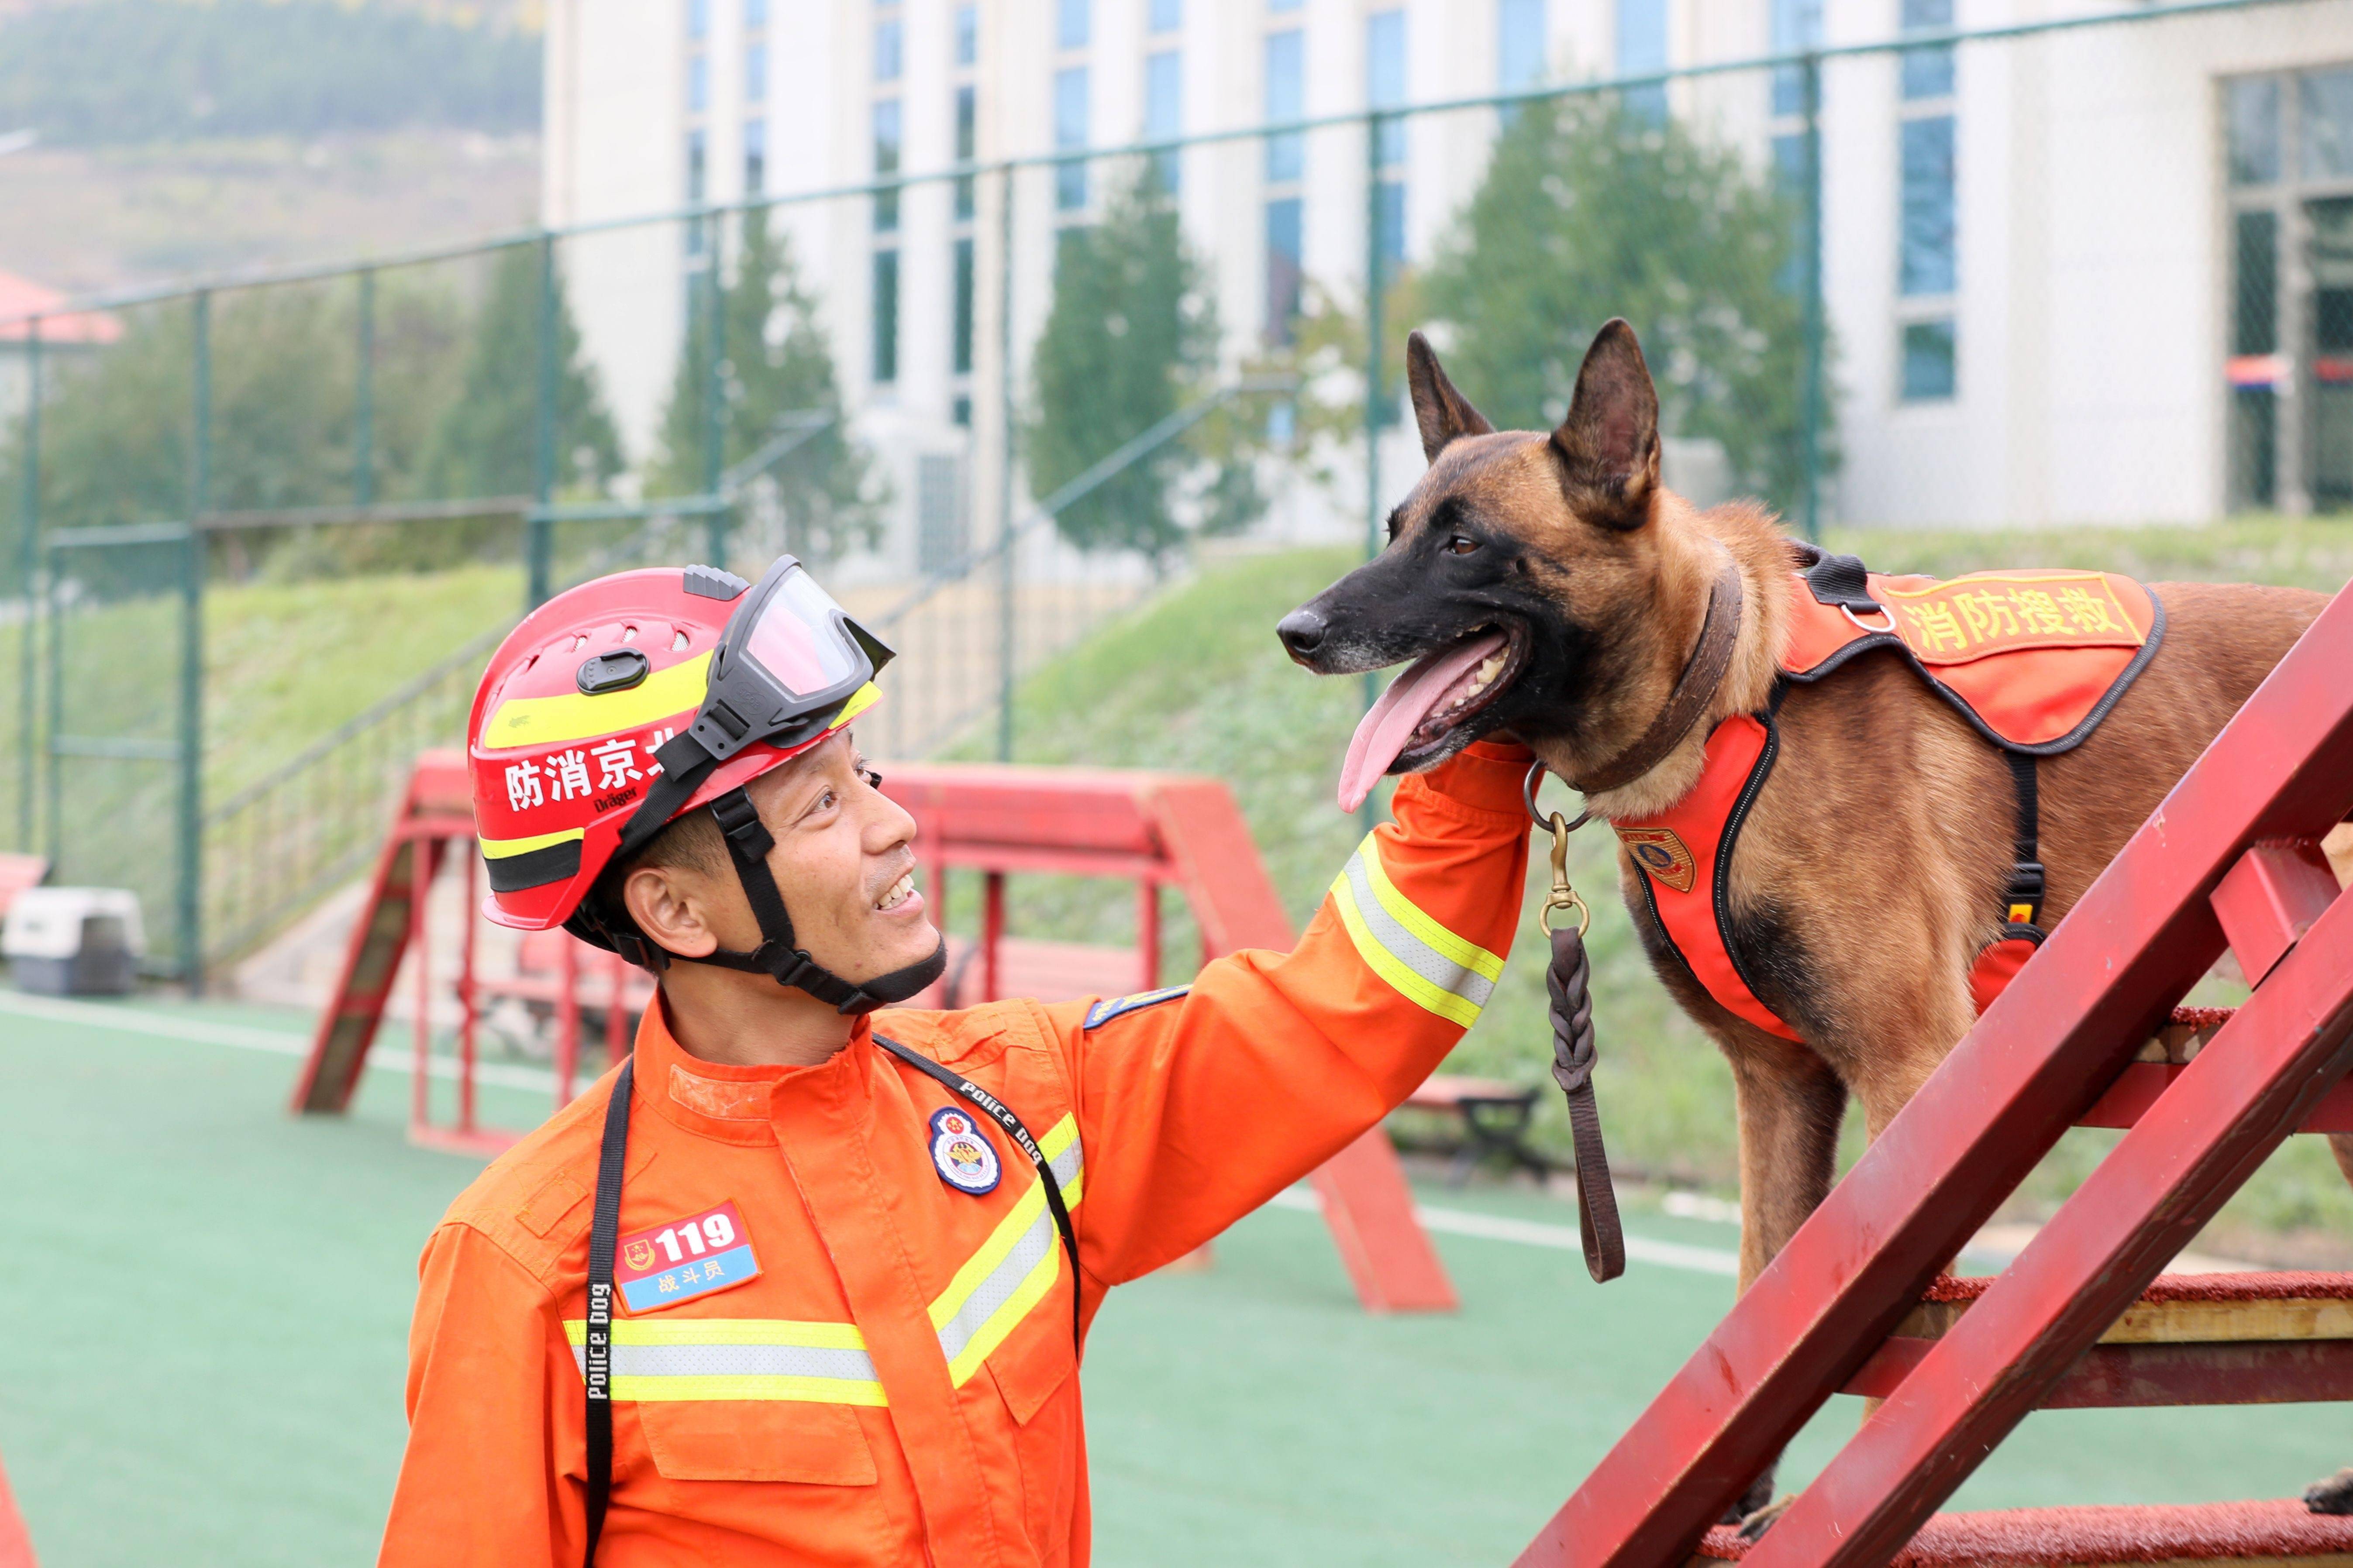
(1390, 723)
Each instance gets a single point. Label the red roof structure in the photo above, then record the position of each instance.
(21, 298)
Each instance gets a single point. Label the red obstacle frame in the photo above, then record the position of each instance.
(1160, 830)
(2229, 858)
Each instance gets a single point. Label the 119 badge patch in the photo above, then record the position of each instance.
(684, 1258)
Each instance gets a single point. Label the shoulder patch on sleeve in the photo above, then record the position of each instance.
(1103, 1012)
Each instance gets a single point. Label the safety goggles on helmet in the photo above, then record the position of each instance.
(788, 659)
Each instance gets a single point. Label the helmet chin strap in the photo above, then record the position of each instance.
(748, 843)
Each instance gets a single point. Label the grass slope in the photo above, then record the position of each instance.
(1195, 682)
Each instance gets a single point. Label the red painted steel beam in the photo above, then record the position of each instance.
(2138, 1087)
(2269, 900)
(2230, 1108)
(2059, 1034)
(2238, 1372)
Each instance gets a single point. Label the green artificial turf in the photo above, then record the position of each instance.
(208, 1303)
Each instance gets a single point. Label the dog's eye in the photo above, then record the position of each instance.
(1461, 545)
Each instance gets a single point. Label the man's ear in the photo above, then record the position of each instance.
(1441, 410)
(665, 911)
(1609, 445)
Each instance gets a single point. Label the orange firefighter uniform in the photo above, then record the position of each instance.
(897, 1382)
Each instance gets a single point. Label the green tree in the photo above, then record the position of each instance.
(116, 430)
(1132, 337)
(1591, 209)
(486, 441)
(776, 379)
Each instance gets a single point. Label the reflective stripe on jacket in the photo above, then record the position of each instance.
(897, 1384)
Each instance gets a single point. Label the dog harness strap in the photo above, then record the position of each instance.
(1685, 855)
(2023, 903)
(1719, 634)
(1842, 582)
(604, 1237)
(1002, 1114)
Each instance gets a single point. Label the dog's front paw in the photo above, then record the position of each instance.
(2334, 1495)
(1754, 1527)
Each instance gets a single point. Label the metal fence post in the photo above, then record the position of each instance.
(1373, 329)
(1810, 427)
(56, 706)
(363, 396)
(539, 530)
(192, 654)
(28, 558)
(714, 387)
(1007, 577)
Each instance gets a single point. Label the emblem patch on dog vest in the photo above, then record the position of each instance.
(963, 1155)
(1988, 613)
(675, 1262)
(1661, 852)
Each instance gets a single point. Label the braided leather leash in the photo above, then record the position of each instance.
(1572, 1061)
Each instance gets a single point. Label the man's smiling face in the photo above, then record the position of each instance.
(845, 861)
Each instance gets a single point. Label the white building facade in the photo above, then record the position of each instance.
(2098, 276)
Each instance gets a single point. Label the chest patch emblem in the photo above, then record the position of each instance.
(1661, 852)
(685, 1258)
(963, 1155)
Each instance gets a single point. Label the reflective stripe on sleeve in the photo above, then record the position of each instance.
(736, 1358)
(1421, 959)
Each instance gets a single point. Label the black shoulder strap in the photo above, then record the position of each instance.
(1002, 1114)
(603, 1236)
(2026, 881)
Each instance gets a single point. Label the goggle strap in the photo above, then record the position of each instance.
(684, 765)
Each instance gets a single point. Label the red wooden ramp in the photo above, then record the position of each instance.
(15, 1541)
(2230, 860)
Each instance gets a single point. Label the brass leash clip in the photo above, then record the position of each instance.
(1563, 896)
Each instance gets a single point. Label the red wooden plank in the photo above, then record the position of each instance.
(2061, 1030)
(2270, 899)
(2264, 1371)
(2229, 1108)
(2136, 1088)
(15, 1541)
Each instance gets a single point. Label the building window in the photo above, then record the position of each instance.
(755, 14)
(1927, 72)
(697, 19)
(888, 50)
(1519, 44)
(1073, 22)
(2251, 110)
(886, 163)
(1642, 51)
(1927, 234)
(695, 181)
(698, 83)
(756, 73)
(1164, 110)
(1071, 136)
(886, 317)
(967, 112)
(1286, 99)
(960, 354)
(1929, 360)
(2327, 114)
(1797, 26)
(1164, 16)
(1385, 89)
(1283, 5)
(967, 34)
(1282, 267)
(755, 157)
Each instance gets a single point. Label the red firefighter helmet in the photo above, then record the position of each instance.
(619, 705)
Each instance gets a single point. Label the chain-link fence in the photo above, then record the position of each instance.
(259, 533)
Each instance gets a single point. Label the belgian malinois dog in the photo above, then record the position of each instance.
(1548, 585)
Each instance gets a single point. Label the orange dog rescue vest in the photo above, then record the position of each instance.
(2033, 661)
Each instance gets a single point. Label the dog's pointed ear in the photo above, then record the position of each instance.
(1609, 444)
(1441, 410)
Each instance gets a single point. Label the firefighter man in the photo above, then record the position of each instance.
(806, 1282)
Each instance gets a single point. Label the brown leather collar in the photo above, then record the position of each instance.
(1695, 689)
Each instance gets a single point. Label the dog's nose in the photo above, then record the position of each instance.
(1302, 632)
